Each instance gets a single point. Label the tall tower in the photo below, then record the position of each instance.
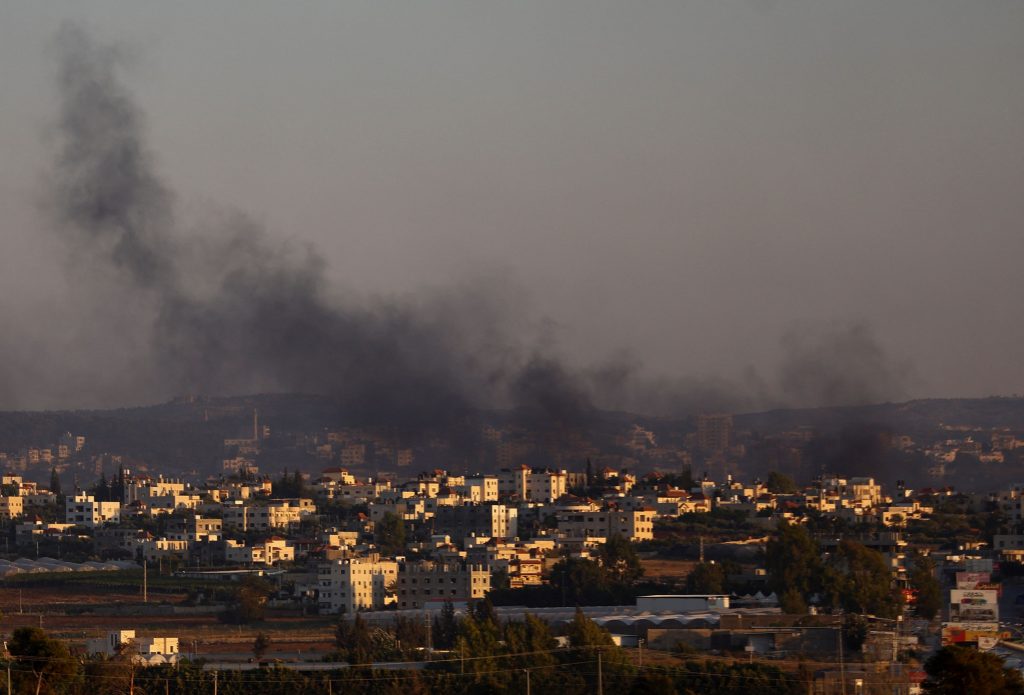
(255, 425)
(714, 432)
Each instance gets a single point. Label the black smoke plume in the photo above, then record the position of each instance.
(224, 309)
(232, 312)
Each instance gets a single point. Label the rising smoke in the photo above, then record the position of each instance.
(242, 314)
(224, 309)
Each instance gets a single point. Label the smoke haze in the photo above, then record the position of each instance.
(166, 303)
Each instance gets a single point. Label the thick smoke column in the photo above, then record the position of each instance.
(240, 314)
(262, 322)
(229, 311)
(105, 187)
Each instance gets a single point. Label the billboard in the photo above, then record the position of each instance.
(998, 588)
(974, 605)
(970, 580)
(980, 633)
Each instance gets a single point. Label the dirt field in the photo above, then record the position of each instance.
(667, 569)
(60, 612)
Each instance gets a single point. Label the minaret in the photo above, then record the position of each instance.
(255, 425)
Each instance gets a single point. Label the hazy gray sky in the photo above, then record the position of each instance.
(688, 181)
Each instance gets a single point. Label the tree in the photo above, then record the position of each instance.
(584, 632)
(500, 579)
(260, 646)
(650, 683)
(794, 567)
(45, 664)
(389, 534)
(957, 670)
(579, 581)
(55, 483)
(619, 559)
(353, 639)
(410, 633)
(928, 593)
(445, 627)
(706, 578)
(531, 638)
(249, 602)
(860, 581)
(780, 484)
(101, 489)
(483, 612)
(117, 485)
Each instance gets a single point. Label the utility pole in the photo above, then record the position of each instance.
(640, 651)
(702, 550)
(842, 663)
(215, 682)
(527, 672)
(430, 637)
(145, 581)
(600, 680)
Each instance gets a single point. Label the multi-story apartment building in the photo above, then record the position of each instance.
(339, 476)
(143, 487)
(354, 584)
(198, 528)
(353, 456)
(536, 485)
(330, 489)
(480, 489)
(426, 582)
(482, 520)
(270, 552)
(154, 549)
(84, 510)
(11, 506)
(714, 432)
(634, 525)
(168, 504)
(277, 514)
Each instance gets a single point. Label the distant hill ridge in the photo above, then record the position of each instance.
(189, 432)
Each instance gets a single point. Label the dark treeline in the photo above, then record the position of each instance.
(576, 678)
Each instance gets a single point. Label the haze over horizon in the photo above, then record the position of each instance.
(663, 207)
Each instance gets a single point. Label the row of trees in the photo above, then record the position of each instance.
(852, 578)
(486, 656)
(613, 578)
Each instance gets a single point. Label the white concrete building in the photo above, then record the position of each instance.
(150, 651)
(84, 510)
(355, 584)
